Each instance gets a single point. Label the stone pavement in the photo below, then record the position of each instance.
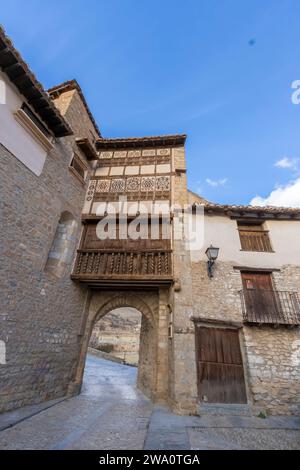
(112, 414)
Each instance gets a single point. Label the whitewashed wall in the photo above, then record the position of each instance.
(222, 232)
(13, 136)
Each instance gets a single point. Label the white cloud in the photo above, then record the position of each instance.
(284, 196)
(287, 162)
(215, 183)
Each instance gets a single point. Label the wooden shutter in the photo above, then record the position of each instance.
(262, 302)
(78, 167)
(254, 238)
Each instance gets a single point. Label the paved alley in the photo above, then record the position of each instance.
(112, 414)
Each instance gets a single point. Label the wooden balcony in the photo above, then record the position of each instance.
(261, 306)
(104, 267)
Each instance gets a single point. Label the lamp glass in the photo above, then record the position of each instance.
(212, 253)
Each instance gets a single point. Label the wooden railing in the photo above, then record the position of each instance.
(270, 306)
(100, 264)
(255, 240)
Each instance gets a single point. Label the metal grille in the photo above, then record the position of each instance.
(270, 306)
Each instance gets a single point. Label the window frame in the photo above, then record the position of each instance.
(82, 164)
(259, 227)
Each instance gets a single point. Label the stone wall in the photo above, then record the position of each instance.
(72, 108)
(287, 278)
(217, 297)
(40, 314)
(273, 366)
(182, 364)
(271, 355)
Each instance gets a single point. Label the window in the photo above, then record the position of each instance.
(263, 303)
(253, 237)
(78, 168)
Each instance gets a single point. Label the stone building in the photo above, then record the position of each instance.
(44, 172)
(90, 225)
(254, 295)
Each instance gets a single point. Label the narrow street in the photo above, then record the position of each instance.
(112, 414)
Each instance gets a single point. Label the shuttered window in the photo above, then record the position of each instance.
(78, 167)
(253, 237)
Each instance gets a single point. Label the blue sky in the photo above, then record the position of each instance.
(219, 70)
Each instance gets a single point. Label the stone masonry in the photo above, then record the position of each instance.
(273, 359)
(40, 314)
(271, 355)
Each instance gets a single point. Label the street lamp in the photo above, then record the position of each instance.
(212, 254)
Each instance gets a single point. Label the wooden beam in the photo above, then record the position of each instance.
(3, 52)
(254, 269)
(11, 67)
(199, 321)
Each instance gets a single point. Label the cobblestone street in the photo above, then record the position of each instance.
(112, 414)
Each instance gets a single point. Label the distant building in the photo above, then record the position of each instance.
(117, 336)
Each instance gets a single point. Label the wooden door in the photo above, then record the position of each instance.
(260, 297)
(220, 366)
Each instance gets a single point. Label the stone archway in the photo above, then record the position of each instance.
(153, 353)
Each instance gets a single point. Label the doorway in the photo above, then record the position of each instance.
(261, 300)
(152, 374)
(219, 365)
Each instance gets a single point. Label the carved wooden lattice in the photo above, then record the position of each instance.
(107, 263)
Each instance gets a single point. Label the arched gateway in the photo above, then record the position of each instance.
(152, 373)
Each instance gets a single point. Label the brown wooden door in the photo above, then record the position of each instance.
(257, 280)
(260, 297)
(220, 366)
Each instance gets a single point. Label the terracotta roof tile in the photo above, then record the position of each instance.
(239, 208)
(147, 141)
(199, 200)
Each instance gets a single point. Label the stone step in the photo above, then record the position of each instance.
(224, 409)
